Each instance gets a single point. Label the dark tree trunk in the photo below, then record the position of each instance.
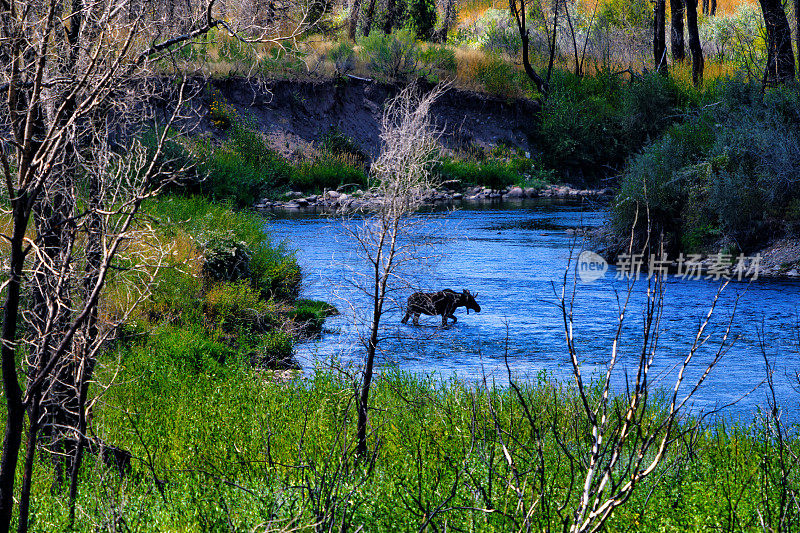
(448, 18)
(354, 13)
(27, 477)
(552, 41)
(676, 31)
(84, 351)
(518, 11)
(698, 63)
(369, 15)
(15, 411)
(780, 57)
(659, 36)
(388, 23)
(713, 9)
(797, 30)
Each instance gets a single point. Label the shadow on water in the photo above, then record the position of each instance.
(514, 258)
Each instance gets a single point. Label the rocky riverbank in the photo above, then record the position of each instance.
(332, 201)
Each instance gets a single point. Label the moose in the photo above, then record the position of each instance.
(439, 303)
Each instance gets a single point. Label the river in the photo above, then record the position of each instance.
(513, 256)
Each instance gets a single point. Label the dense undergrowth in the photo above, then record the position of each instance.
(723, 176)
(225, 290)
(224, 447)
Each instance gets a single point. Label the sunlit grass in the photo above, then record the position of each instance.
(712, 71)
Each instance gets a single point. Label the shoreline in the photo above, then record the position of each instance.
(336, 200)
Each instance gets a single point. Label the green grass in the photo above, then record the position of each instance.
(232, 449)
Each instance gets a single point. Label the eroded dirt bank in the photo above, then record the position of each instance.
(294, 115)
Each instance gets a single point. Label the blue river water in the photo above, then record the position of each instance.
(514, 257)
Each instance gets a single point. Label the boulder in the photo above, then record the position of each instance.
(515, 192)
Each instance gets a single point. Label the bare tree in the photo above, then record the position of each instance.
(76, 82)
(402, 177)
(610, 443)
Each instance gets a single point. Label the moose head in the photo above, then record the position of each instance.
(468, 301)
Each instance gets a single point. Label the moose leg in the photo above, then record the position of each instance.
(405, 318)
(416, 319)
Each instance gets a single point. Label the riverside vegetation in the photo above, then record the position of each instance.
(217, 440)
(218, 443)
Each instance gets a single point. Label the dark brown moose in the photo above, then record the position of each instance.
(439, 303)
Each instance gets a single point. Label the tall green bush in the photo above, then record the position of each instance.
(727, 173)
(392, 57)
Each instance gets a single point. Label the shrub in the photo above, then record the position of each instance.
(234, 306)
(392, 56)
(499, 35)
(311, 315)
(276, 350)
(649, 104)
(192, 351)
(439, 58)
(225, 259)
(232, 48)
(624, 13)
(242, 169)
(793, 217)
(273, 268)
(497, 76)
(336, 142)
(581, 137)
(728, 172)
(343, 57)
(221, 113)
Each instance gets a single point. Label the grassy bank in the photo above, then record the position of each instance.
(224, 291)
(224, 447)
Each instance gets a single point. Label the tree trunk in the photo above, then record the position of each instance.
(85, 347)
(354, 12)
(797, 30)
(713, 9)
(370, 14)
(388, 24)
(659, 36)
(15, 411)
(518, 11)
(448, 19)
(780, 57)
(379, 293)
(677, 8)
(698, 63)
(27, 477)
(553, 40)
